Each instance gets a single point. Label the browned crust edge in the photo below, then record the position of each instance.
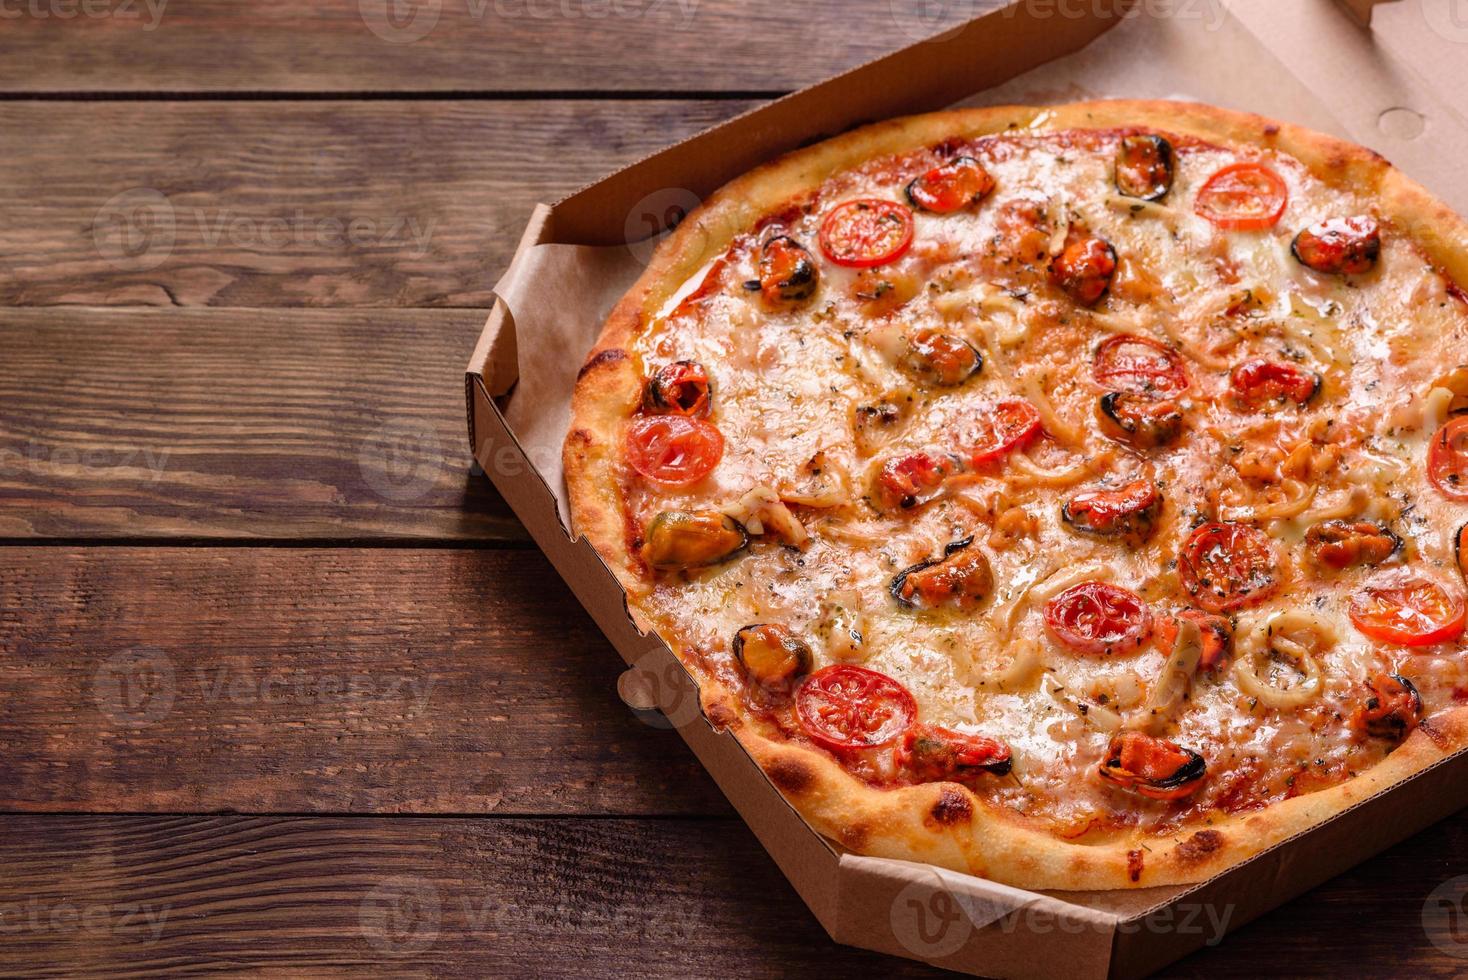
(944, 823)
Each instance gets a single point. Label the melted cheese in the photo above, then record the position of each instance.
(787, 385)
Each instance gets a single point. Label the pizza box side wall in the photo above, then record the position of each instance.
(850, 904)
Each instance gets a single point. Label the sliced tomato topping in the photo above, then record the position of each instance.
(951, 187)
(1097, 617)
(1447, 459)
(1243, 197)
(866, 232)
(999, 428)
(1409, 610)
(1139, 365)
(1228, 566)
(1152, 767)
(932, 753)
(849, 707)
(1259, 382)
(674, 450)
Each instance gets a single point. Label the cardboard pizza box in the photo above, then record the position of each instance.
(1378, 72)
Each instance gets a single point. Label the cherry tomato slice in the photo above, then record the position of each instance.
(848, 707)
(1228, 566)
(866, 232)
(1000, 428)
(1408, 610)
(673, 450)
(1447, 459)
(1096, 617)
(1243, 197)
(951, 187)
(1259, 382)
(1140, 366)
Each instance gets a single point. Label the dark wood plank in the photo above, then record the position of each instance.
(242, 424)
(299, 680)
(420, 898)
(267, 204)
(569, 898)
(466, 45)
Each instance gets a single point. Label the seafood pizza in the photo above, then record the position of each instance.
(1072, 496)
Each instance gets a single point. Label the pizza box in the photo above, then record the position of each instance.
(1378, 72)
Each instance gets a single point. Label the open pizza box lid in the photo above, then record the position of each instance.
(1312, 62)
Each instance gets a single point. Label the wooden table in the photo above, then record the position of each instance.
(285, 686)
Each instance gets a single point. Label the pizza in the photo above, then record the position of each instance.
(1071, 496)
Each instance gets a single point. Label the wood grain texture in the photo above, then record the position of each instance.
(92, 896)
(269, 204)
(301, 680)
(416, 898)
(466, 45)
(240, 424)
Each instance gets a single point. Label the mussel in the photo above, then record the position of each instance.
(1340, 246)
(1128, 512)
(1140, 420)
(679, 388)
(1083, 270)
(771, 655)
(1152, 767)
(1349, 544)
(692, 539)
(942, 358)
(787, 272)
(961, 577)
(1144, 167)
(1392, 707)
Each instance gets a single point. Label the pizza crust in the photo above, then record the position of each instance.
(944, 823)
